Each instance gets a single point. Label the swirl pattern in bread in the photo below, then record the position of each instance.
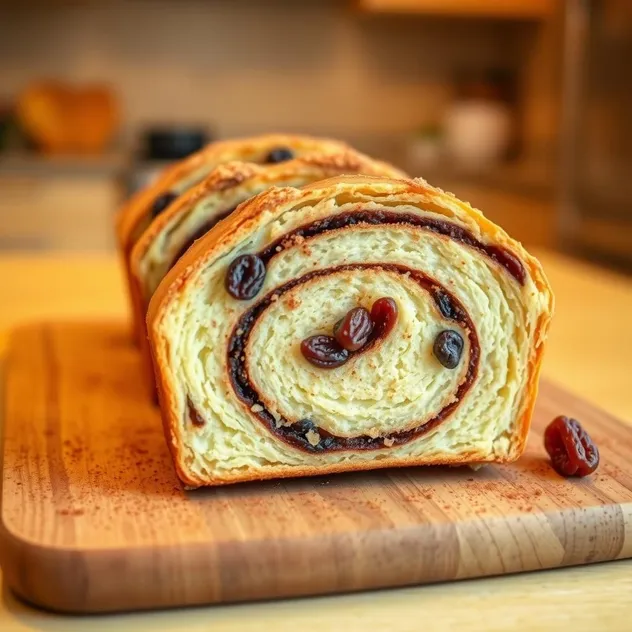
(195, 212)
(136, 215)
(241, 402)
(227, 186)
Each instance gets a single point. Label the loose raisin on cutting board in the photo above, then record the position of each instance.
(572, 451)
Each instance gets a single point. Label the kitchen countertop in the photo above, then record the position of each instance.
(590, 353)
(112, 164)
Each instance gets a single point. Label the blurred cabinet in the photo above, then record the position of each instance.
(509, 9)
(57, 212)
(596, 198)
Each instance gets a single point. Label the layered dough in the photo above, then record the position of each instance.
(239, 400)
(227, 186)
(137, 214)
(212, 200)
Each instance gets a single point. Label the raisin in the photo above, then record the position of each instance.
(324, 352)
(384, 316)
(446, 305)
(572, 451)
(281, 154)
(448, 347)
(162, 202)
(354, 330)
(245, 277)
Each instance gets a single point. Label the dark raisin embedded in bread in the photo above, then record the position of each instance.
(162, 202)
(281, 154)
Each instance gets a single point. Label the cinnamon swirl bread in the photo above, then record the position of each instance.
(138, 213)
(356, 323)
(199, 209)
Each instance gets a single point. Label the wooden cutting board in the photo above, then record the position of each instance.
(94, 519)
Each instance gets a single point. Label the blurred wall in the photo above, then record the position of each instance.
(245, 65)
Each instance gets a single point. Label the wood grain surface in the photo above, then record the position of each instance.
(93, 517)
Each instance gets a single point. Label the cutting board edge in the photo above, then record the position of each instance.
(66, 579)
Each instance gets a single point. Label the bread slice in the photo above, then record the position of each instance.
(195, 212)
(239, 399)
(216, 197)
(137, 213)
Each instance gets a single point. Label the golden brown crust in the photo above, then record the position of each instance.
(335, 468)
(221, 178)
(260, 209)
(309, 167)
(233, 175)
(216, 153)
(134, 216)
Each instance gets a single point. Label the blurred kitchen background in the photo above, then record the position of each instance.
(523, 107)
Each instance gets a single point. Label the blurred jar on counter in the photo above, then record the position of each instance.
(159, 146)
(479, 124)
